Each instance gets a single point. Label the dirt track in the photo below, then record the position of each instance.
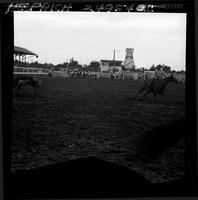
(73, 118)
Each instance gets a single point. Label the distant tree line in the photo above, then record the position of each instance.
(71, 65)
(165, 68)
(93, 66)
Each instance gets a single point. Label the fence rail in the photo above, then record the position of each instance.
(118, 75)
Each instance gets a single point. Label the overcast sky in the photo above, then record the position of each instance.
(157, 38)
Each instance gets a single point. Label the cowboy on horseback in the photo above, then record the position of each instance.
(159, 74)
(157, 85)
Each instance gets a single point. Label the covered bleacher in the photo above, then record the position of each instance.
(21, 67)
(21, 53)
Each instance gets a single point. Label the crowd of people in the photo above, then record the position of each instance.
(83, 74)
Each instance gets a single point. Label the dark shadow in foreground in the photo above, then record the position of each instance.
(88, 177)
(155, 142)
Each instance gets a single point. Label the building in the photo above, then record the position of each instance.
(21, 53)
(180, 76)
(129, 61)
(110, 66)
(22, 68)
(148, 74)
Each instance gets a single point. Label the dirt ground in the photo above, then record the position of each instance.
(72, 118)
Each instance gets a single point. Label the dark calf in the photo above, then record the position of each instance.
(26, 80)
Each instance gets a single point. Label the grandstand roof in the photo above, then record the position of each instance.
(23, 51)
(114, 61)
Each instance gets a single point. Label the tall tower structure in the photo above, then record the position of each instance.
(129, 62)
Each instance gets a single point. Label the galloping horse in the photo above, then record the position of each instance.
(156, 86)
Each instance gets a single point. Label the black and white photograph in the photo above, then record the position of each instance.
(98, 97)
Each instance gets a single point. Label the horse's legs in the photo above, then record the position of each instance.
(18, 89)
(140, 91)
(148, 91)
(164, 96)
(154, 96)
(35, 91)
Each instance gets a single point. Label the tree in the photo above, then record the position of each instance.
(166, 69)
(152, 68)
(94, 66)
(65, 65)
(158, 67)
(182, 71)
(73, 64)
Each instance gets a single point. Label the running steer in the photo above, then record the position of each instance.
(26, 80)
(156, 86)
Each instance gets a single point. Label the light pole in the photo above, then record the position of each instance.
(114, 54)
(114, 51)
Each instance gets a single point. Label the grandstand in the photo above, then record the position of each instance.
(21, 53)
(20, 64)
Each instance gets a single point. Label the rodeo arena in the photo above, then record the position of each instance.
(111, 69)
(120, 115)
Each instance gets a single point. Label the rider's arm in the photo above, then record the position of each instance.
(163, 73)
